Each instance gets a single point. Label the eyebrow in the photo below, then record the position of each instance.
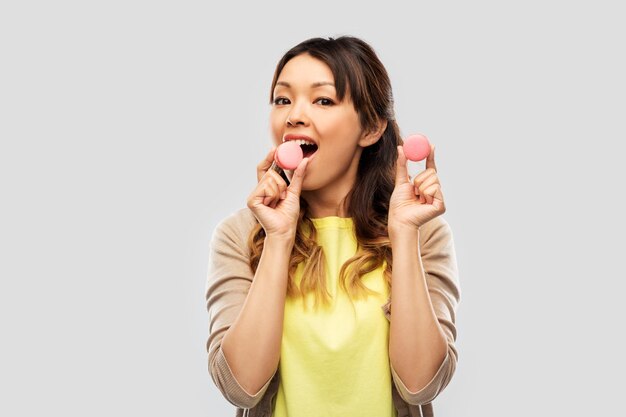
(317, 84)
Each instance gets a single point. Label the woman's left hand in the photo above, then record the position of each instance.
(406, 209)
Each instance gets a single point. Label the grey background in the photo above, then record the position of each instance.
(129, 129)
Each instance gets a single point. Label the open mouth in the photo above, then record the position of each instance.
(308, 150)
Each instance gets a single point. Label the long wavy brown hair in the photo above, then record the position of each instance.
(356, 67)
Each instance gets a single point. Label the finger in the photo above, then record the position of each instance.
(423, 184)
(275, 192)
(269, 189)
(269, 198)
(430, 161)
(433, 193)
(427, 173)
(267, 194)
(425, 177)
(282, 190)
(429, 192)
(420, 197)
(264, 193)
(265, 164)
(282, 186)
(276, 177)
(298, 176)
(402, 175)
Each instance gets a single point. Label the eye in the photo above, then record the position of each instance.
(330, 102)
(327, 101)
(277, 100)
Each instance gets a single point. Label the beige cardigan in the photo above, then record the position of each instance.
(229, 280)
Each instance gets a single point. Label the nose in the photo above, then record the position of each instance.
(296, 116)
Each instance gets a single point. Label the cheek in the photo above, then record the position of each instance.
(276, 132)
(341, 142)
(341, 128)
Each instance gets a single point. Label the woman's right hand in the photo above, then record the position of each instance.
(276, 205)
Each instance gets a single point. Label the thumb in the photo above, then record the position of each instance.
(295, 185)
(402, 175)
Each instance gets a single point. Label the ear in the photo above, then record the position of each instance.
(373, 136)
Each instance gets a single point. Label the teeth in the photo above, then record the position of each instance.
(303, 142)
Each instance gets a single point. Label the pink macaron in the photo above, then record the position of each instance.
(288, 155)
(416, 147)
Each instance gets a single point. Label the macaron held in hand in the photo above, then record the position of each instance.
(416, 147)
(288, 155)
(413, 203)
(275, 204)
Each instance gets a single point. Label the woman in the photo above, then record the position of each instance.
(336, 232)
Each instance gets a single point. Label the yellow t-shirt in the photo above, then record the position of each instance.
(335, 361)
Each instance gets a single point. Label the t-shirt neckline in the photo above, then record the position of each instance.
(333, 221)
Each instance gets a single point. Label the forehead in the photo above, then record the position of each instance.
(304, 70)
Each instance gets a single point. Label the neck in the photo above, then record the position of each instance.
(326, 204)
(332, 199)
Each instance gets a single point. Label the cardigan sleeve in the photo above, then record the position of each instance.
(440, 267)
(228, 282)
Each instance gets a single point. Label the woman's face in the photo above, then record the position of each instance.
(302, 108)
